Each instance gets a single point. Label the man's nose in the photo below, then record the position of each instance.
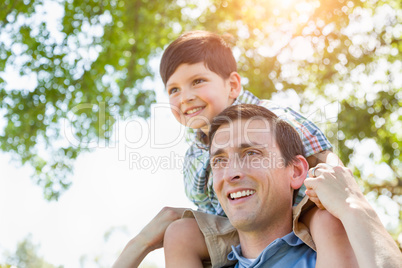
(233, 170)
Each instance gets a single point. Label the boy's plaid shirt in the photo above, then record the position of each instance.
(196, 169)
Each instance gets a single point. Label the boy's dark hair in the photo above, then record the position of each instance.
(286, 137)
(198, 46)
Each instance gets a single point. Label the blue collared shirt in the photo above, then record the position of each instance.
(288, 251)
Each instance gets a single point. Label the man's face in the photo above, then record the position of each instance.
(250, 178)
(197, 95)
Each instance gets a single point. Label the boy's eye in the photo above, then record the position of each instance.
(198, 81)
(173, 90)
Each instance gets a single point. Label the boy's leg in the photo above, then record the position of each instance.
(333, 246)
(184, 244)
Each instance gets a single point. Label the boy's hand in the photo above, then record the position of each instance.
(327, 157)
(312, 195)
(334, 188)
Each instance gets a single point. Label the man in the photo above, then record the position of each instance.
(258, 165)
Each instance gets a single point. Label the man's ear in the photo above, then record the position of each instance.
(300, 169)
(235, 85)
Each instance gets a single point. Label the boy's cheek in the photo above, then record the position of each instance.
(179, 117)
(175, 110)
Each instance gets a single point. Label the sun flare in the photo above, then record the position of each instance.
(287, 3)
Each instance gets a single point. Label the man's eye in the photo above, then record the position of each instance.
(173, 90)
(249, 153)
(198, 81)
(218, 162)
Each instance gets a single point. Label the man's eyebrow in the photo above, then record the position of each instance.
(242, 146)
(252, 144)
(217, 152)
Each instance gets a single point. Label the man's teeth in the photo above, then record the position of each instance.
(241, 194)
(193, 110)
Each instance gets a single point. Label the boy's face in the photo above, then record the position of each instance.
(197, 95)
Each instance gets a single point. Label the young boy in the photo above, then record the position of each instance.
(201, 79)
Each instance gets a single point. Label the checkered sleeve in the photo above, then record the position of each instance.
(196, 173)
(313, 138)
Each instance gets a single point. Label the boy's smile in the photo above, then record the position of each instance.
(197, 94)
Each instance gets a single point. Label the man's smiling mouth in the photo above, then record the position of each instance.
(240, 194)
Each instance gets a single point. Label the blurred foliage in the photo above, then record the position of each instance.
(88, 69)
(26, 256)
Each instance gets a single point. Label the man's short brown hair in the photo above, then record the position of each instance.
(198, 46)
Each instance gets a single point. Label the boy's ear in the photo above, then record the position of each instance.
(235, 85)
(300, 169)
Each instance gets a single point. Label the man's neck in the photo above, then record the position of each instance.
(253, 243)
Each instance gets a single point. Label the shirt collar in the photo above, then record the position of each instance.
(236, 255)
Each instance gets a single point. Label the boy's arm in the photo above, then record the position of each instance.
(341, 196)
(326, 157)
(149, 239)
(133, 253)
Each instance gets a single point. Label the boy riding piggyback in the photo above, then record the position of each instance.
(200, 75)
